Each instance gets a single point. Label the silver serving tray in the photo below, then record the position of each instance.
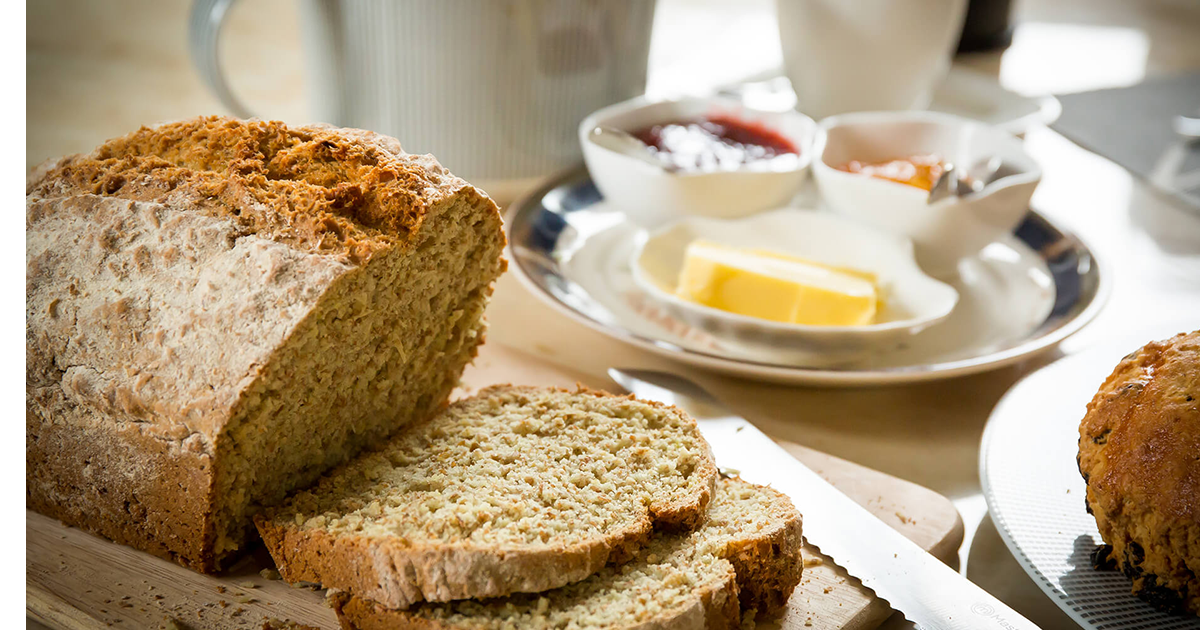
(548, 227)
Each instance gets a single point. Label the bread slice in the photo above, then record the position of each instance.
(516, 489)
(218, 311)
(745, 560)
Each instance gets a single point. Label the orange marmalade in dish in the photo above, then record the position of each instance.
(920, 171)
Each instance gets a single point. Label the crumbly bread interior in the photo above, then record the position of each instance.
(384, 347)
(514, 490)
(749, 547)
(381, 344)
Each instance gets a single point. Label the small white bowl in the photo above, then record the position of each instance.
(912, 301)
(651, 196)
(943, 232)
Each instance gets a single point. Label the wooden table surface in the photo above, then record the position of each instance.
(100, 69)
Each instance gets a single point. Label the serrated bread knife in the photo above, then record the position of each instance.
(921, 587)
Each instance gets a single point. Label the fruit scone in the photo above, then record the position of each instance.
(1139, 453)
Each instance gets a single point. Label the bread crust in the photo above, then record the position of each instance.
(381, 570)
(347, 193)
(71, 459)
(713, 609)
(400, 574)
(136, 364)
(770, 564)
(1139, 453)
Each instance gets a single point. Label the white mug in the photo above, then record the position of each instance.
(493, 88)
(859, 55)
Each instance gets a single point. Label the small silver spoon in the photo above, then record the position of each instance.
(978, 177)
(984, 173)
(944, 186)
(625, 143)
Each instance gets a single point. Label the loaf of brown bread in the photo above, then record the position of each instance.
(218, 311)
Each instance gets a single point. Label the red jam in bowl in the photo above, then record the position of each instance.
(715, 143)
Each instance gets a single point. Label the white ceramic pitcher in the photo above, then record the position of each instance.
(863, 55)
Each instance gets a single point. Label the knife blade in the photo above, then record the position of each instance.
(921, 587)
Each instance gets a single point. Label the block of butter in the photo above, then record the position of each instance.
(776, 287)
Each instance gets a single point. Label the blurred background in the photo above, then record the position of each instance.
(99, 69)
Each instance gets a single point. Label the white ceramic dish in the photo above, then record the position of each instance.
(943, 232)
(1035, 494)
(1003, 298)
(912, 300)
(650, 196)
(1020, 296)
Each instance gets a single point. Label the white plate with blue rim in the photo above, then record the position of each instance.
(1021, 295)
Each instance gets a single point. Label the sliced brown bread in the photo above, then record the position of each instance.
(745, 560)
(218, 311)
(516, 489)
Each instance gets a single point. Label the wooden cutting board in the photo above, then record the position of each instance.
(77, 581)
